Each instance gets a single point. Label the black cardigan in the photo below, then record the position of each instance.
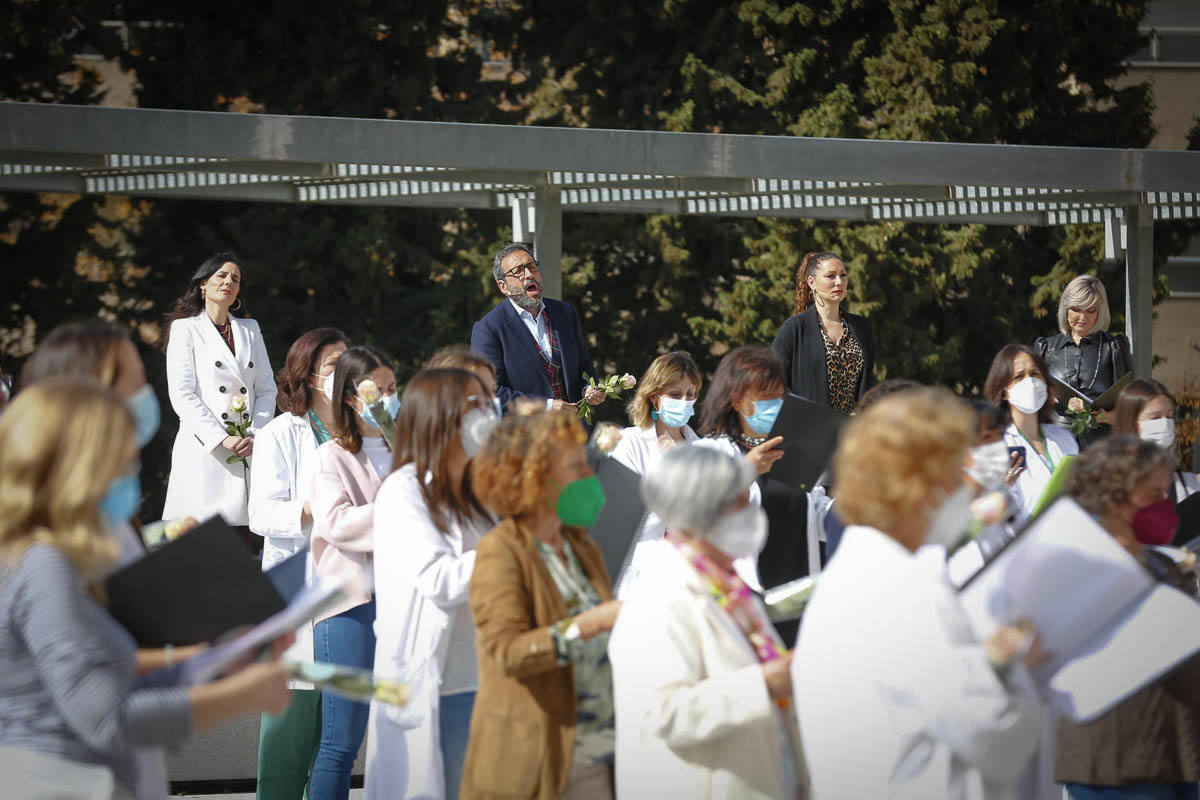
(800, 345)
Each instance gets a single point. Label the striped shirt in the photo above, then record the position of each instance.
(67, 682)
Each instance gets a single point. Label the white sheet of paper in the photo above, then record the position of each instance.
(1144, 643)
(1066, 575)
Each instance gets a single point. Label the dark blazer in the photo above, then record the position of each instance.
(802, 350)
(520, 370)
(1063, 359)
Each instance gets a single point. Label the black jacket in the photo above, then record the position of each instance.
(1075, 367)
(800, 345)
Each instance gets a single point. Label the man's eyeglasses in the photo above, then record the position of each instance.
(518, 271)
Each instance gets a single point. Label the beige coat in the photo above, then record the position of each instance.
(693, 715)
(523, 725)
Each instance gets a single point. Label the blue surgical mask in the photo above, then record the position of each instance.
(143, 405)
(763, 418)
(122, 499)
(674, 412)
(499, 408)
(391, 404)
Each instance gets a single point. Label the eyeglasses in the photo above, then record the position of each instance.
(520, 269)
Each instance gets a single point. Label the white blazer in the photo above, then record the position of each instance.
(421, 578)
(894, 696)
(694, 718)
(203, 377)
(1033, 479)
(281, 477)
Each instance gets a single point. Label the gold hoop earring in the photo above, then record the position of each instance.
(236, 306)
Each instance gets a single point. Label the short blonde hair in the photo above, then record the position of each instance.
(663, 371)
(62, 444)
(509, 476)
(891, 455)
(1084, 292)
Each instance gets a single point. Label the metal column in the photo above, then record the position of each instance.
(1139, 287)
(547, 237)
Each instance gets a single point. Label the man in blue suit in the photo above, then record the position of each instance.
(535, 343)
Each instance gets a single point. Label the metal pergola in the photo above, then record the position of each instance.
(540, 173)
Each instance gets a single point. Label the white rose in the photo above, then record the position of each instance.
(628, 381)
(368, 392)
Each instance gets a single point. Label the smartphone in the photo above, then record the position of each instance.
(1019, 452)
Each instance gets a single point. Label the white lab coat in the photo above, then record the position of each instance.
(203, 377)
(639, 450)
(693, 715)
(281, 477)
(1033, 479)
(421, 578)
(894, 696)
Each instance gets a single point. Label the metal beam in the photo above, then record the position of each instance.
(90, 129)
(1139, 287)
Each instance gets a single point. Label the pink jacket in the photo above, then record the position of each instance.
(342, 499)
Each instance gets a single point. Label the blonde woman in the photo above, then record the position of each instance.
(1083, 354)
(74, 709)
(895, 698)
(660, 412)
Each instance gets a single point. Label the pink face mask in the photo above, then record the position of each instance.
(1156, 523)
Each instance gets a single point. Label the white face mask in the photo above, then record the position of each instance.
(989, 464)
(1161, 431)
(741, 534)
(477, 425)
(1028, 396)
(326, 384)
(949, 522)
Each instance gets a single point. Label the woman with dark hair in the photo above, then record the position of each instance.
(215, 363)
(828, 354)
(1016, 384)
(1149, 745)
(741, 406)
(350, 468)
(460, 356)
(427, 524)
(281, 477)
(105, 353)
(1146, 409)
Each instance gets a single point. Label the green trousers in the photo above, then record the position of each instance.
(287, 745)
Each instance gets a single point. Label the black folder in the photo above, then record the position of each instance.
(192, 589)
(1189, 518)
(810, 436)
(1105, 402)
(619, 525)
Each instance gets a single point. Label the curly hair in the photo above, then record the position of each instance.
(891, 455)
(662, 372)
(808, 268)
(509, 476)
(1107, 473)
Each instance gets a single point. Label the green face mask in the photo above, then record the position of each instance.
(580, 502)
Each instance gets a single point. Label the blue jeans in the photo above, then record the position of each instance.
(1142, 790)
(455, 723)
(347, 639)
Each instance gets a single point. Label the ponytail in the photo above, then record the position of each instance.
(808, 266)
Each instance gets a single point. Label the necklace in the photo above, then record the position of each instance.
(1079, 366)
(749, 441)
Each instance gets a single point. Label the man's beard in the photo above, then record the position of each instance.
(525, 301)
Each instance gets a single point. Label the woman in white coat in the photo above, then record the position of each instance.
(213, 359)
(281, 476)
(660, 411)
(700, 678)
(427, 523)
(1016, 384)
(895, 696)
